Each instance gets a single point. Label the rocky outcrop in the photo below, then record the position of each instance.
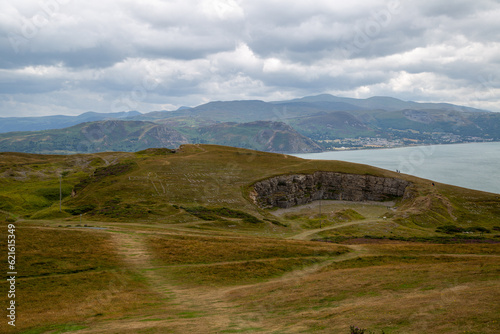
(285, 191)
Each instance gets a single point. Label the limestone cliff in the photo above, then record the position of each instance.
(285, 191)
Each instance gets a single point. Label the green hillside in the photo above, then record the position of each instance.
(93, 137)
(10, 124)
(310, 124)
(164, 240)
(261, 135)
(333, 125)
(118, 185)
(131, 136)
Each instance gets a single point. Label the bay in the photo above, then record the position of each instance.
(472, 165)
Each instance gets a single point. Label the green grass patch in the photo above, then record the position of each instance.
(347, 215)
(190, 314)
(52, 212)
(53, 193)
(81, 209)
(102, 172)
(243, 330)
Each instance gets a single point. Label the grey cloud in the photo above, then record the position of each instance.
(456, 10)
(224, 49)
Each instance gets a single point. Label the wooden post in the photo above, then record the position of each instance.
(60, 193)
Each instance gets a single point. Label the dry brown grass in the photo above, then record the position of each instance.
(168, 272)
(71, 298)
(417, 248)
(195, 249)
(171, 283)
(68, 275)
(57, 251)
(236, 273)
(439, 297)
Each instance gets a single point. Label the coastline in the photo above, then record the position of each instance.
(370, 148)
(467, 165)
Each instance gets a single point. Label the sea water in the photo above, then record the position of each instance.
(473, 165)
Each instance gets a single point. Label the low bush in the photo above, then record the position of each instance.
(455, 239)
(477, 229)
(357, 330)
(450, 229)
(217, 214)
(275, 222)
(81, 209)
(10, 219)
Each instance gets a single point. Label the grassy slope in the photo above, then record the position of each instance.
(113, 135)
(207, 175)
(263, 136)
(158, 269)
(331, 126)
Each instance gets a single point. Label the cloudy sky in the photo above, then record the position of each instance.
(69, 56)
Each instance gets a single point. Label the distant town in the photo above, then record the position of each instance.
(380, 142)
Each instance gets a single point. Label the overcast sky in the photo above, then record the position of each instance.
(69, 57)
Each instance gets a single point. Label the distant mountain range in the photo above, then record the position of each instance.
(308, 124)
(254, 110)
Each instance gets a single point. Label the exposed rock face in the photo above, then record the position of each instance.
(289, 190)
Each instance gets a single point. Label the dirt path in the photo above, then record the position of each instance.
(181, 310)
(186, 310)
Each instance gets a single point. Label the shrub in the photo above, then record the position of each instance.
(275, 222)
(81, 209)
(357, 330)
(477, 229)
(156, 151)
(216, 214)
(449, 229)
